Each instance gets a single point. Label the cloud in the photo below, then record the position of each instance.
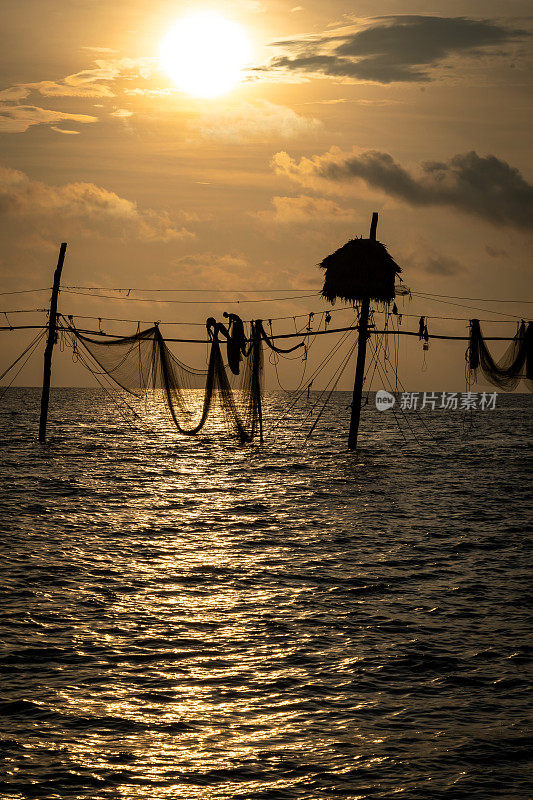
(102, 50)
(85, 208)
(17, 118)
(333, 102)
(220, 271)
(121, 113)
(53, 89)
(13, 94)
(86, 83)
(93, 82)
(393, 49)
(443, 265)
(495, 252)
(151, 92)
(482, 185)
(360, 101)
(64, 130)
(255, 122)
(423, 258)
(305, 210)
(378, 102)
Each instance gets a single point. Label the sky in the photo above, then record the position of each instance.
(420, 111)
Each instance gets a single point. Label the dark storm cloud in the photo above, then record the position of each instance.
(392, 49)
(481, 185)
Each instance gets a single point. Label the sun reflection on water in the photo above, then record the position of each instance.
(186, 620)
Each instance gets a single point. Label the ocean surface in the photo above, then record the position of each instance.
(191, 618)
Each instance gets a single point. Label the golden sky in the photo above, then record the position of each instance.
(419, 111)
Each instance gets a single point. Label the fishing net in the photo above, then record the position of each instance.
(516, 363)
(144, 363)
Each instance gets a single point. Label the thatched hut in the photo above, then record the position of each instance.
(360, 269)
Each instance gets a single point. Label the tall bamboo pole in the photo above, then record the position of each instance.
(52, 322)
(361, 356)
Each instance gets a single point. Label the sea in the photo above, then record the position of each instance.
(195, 619)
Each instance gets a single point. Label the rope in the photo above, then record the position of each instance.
(25, 311)
(279, 336)
(100, 377)
(191, 302)
(322, 312)
(380, 343)
(385, 378)
(419, 417)
(316, 372)
(318, 399)
(462, 305)
(37, 338)
(305, 360)
(339, 376)
(476, 299)
(97, 375)
(33, 347)
(28, 291)
(246, 291)
(200, 291)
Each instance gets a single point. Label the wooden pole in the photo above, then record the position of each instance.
(52, 322)
(257, 388)
(361, 356)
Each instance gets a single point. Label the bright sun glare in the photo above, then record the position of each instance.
(205, 54)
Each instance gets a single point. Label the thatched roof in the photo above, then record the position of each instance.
(361, 268)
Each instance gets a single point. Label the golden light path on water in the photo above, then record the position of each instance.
(197, 619)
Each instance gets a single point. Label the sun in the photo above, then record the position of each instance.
(205, 54)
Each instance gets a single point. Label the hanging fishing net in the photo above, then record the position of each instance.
(515, 364)
(143, 363)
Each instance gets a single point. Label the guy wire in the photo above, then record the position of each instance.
(29, 352)
(344, 365)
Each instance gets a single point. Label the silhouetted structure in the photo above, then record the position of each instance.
(515, 364)
(143, 362)
(360, 271)
(52, 322)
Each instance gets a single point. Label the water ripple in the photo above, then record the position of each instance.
(193, 619)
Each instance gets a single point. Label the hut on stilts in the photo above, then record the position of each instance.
(360, 271)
